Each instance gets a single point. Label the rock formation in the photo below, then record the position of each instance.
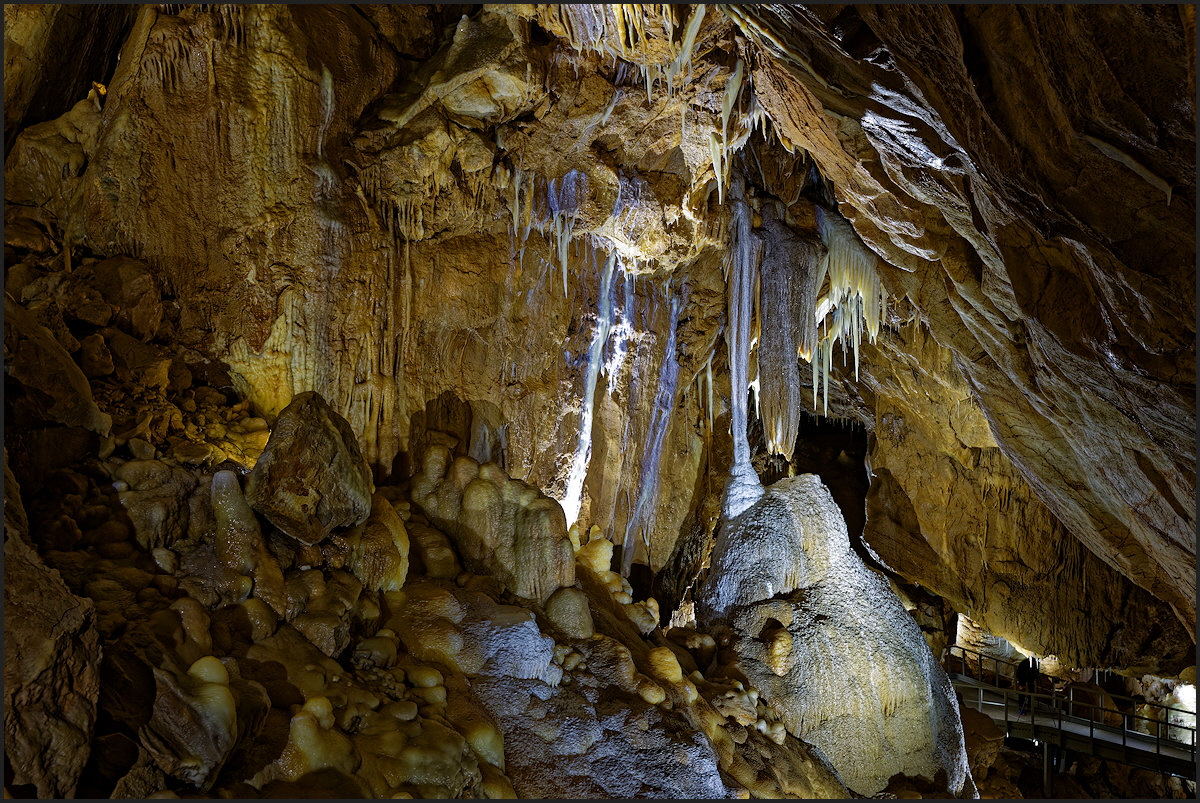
(51, 680)
(829, 645)
(376, 375)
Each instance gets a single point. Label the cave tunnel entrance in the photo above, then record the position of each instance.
(835, 449)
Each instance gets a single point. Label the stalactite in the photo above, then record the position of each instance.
(642, 36)
(744, 253)
(741, 264)
(788, 328)
(855, 297)
(563, 196)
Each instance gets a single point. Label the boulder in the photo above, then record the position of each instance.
(378, 551)
(193, 724)
(140, 363)
(156, 496)
(568, 609)
(36, 359)
(129, 286)
(95, 358)
(51, 665)
(311, 478)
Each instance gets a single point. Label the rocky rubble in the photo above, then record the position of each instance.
(444, 638)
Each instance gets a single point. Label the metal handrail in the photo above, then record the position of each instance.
(1051, 704)
(964, 651)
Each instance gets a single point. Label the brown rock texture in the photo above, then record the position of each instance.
(480, 256)
(51, 663)
(946, 509)
(311, 477)
(1037, 211)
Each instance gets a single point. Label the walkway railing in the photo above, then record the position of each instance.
(1081, 724)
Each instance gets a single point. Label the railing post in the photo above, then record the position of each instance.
(1059, 722)
(1047, 779)
(1158, 748)
(1124, 729)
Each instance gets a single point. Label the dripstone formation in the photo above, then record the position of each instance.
(591, 400)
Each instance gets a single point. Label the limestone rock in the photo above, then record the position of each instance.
(156, 497)
(501, 526)
(568, 610)
(45, 167)
(143, 780)
(36, 359)
(131, 288)
(1040, 281)
(983, 740)
(51, 664)
(329, 608)
(379, 548)
(95, 358)
(311, 478)
(826, 641)
(980, 537)
(434, 550)
(484, 76)
(193, 724)
(143, 364)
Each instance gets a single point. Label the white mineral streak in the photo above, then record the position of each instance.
(573, 497)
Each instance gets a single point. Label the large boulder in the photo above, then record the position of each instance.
(830, 646)
(312, 477)
(51, 660)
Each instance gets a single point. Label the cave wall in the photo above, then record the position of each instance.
(368, 214)
(1037, 210)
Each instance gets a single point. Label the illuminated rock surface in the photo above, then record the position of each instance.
(569, 283)
(829, 645)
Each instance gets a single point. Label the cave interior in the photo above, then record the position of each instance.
(599, 400)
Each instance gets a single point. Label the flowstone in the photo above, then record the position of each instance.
(828, 644)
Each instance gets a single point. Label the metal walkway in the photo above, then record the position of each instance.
(1162, 745)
